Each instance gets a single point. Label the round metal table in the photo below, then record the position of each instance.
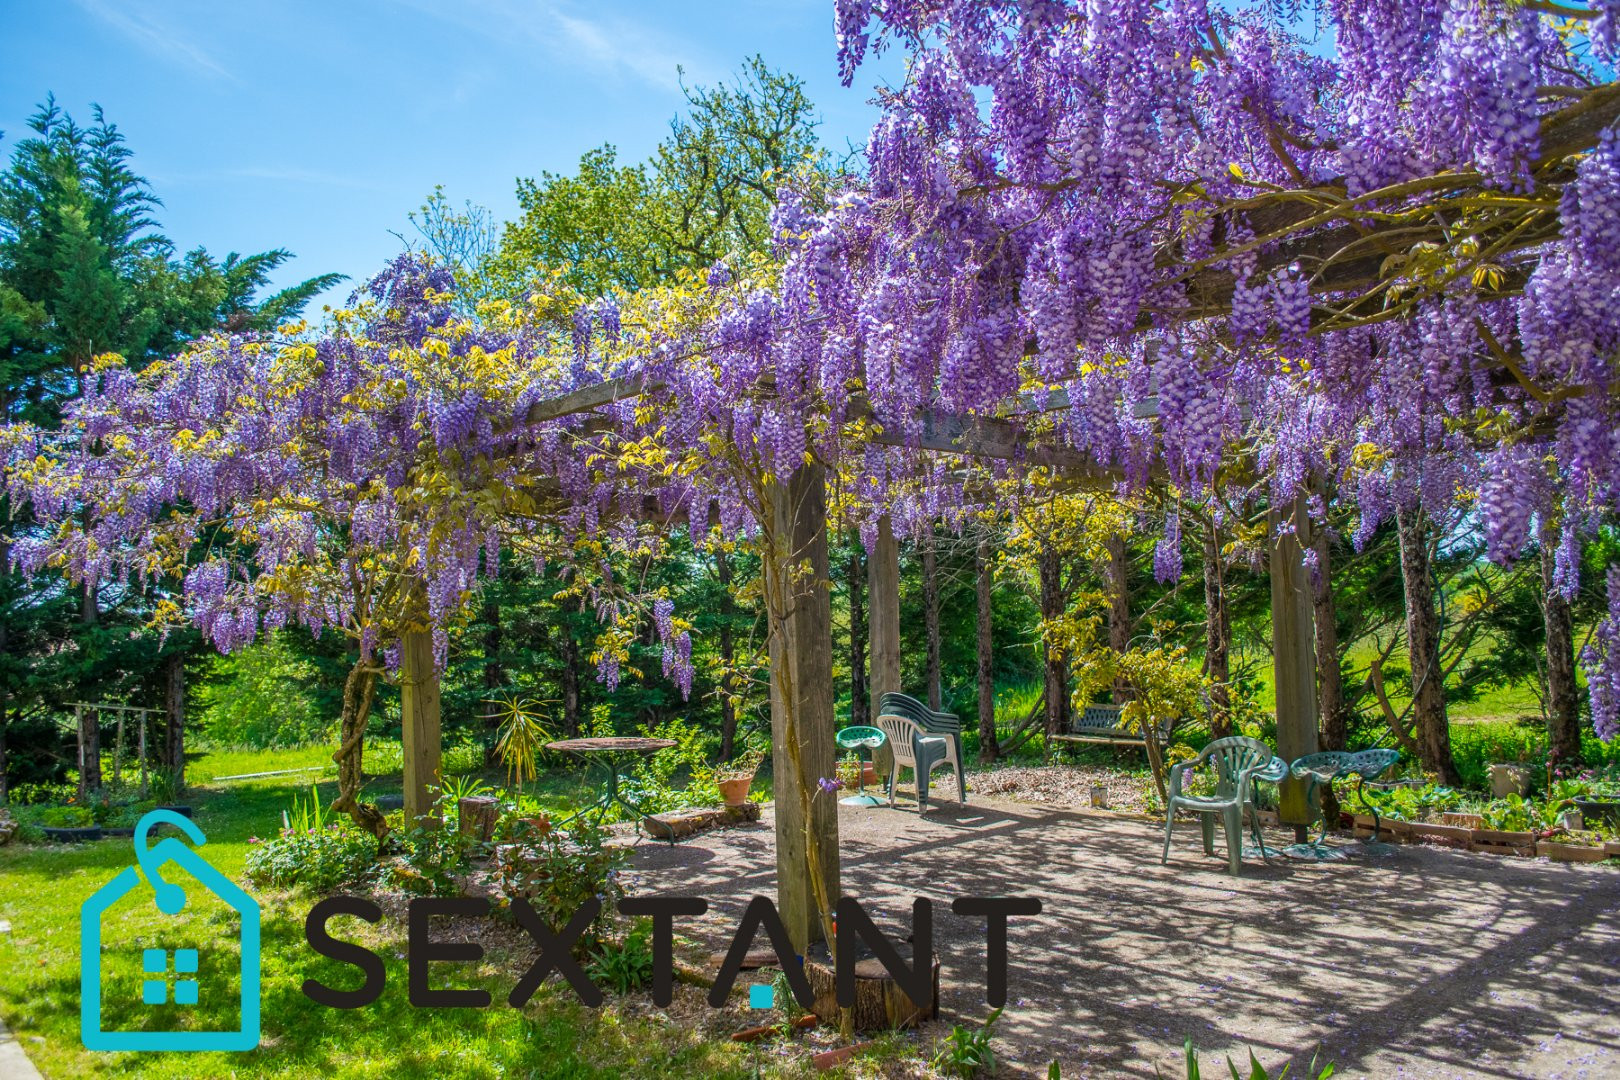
(608, 754)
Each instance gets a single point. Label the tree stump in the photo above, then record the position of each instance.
(880, 1004)
(476, 816)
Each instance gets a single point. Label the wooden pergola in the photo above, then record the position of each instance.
(1336, 237)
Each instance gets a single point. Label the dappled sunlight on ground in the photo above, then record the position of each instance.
(1425, 963)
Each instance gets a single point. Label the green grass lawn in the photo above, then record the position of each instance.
(42, 888)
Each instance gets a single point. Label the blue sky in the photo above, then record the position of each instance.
(317, 126)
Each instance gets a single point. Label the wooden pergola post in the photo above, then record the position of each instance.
(419, 721)
(801, 699)
(1293, 655)
(883, 600)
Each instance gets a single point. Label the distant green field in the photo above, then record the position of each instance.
(1502, 703)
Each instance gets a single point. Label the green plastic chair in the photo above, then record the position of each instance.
(1238, 761)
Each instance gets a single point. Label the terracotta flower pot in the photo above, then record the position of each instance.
(734, 790)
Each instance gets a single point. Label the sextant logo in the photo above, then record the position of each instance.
(556, 954)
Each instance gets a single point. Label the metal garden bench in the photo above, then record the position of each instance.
(1102, 724)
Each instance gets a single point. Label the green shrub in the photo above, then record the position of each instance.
(1409, 803)
(66, 817)
(677, 777)
(1476, 746)
(559, 869)
(163, 787)
(427, 860)
(264, 695)
(42, 794)
(464, 756)
(319, 859)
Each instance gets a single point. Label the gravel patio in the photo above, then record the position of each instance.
(1425, 963)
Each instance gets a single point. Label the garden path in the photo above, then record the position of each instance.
(1425, 963)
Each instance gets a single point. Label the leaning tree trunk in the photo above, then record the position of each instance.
(860, 703)
(986, 657)
(1217, 636)
(1056, 685)
(1423, 643)
(728, 654)
(1563, 705)
(174, 743)
(358, 691)
(1119, 610)
(930, 572)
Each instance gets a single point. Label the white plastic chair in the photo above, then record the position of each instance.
(906, 739)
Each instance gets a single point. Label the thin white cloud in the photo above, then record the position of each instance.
(156, 37)
(609, 45)
(288, 175)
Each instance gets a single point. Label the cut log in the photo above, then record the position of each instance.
(681, 823)
(880, 1004)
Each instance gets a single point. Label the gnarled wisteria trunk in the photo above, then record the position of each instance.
(174, 745)
(358, 691)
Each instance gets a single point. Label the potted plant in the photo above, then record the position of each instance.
(1599, 811)
(164, 790)
(1510, 778)
(736, 776)
(69, 824)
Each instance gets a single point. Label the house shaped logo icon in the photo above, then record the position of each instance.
(165, 971)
